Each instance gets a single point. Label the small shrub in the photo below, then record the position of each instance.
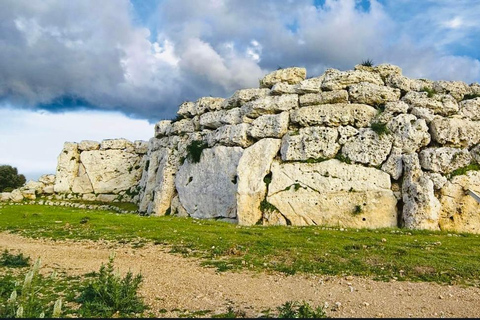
(14, 261)
(464, 170)
(430, 92)
(266, 206)
(194, 150)
(469, 96)
(342, 158)
(107, 294)
(367, 63)
(294, 309)
(380, 128)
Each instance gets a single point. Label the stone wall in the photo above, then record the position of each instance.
(104, 171)
(367, 147)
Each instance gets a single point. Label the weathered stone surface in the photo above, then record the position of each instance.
(327, 97)
(460, 210)
(455, 132)
(409, 133)
(438, 179)
(4, 196)
(106, 197)
(270, 105)
(115, 144)
(345, 133)
(207, 189)
(28, 194)
(16, 196)
(269, 126)
(396, 107)
(47, 179)
(253, 166)
(177, 209)
(475, 152)
(162, 127)
(48, 190)
(36, 186)
(444, 160)
(440, 104)
(87, 145)
(283, 88)
(372, 94)
(141, 147)
(310, 143)
(336, 80)
(334, 115)
(312, 85)
(332, 193)
(420, 84)
(423, 113)
(111, 171)
(243, 96)
(289, 75)
(233, 135)
(82, 183)
(216, 119)
(398, 81)
(394, 164)
(420, 206)
(205, 104)
(187, 109)
(148, 180)
(386, 70)
(457, 89)
(368, 147)
(164, 188)
(67, 167)
(181, 127)
(89, 197)
(470, 109)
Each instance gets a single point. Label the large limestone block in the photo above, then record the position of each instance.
(87, 145)
(116, 144)
(327, 97)
(289, 75)
(187, 109)
(36, 186)
(368, 147)
(4, 196)
(240, 97)
(334, 115)
(386, 70)
(82, 183)
(398, 81)
(394, 164)
(164, 187)
(111, 171)
(332, 193)
(270, 105)
(470, 109)
(421, 84)
(372, 94)
(345, 133)
(162, 128)
(253, 166)
(205, 104)
(47, 179)
(421, 208)
(181, 127)
(16, 196)
(207, 189)
(337, 80)
(141, 147)
(310, 143)
(216, 119)
(441, 104)
(460, 211)
(457, 89)
(230, 135)
(444, 160)
(269, 126)
(148, 180)
(67, 167)
(455, 132)
(409, 133)
(312, 85)
(475, 152)
(284, 88)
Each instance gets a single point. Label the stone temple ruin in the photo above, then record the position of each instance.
(365, 148)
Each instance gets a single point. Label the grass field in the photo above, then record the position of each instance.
(383, 254)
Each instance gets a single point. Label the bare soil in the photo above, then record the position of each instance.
(174, 283)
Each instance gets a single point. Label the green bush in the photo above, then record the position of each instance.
(108, 294)
(430, 92)
(367, 63)
(294, 309)
(9, 178)
(14, 261)
(194, 150)
(380, 128)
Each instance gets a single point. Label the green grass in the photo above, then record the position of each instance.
(405, 255)
(430, 92)
(464, 170)
(14, 260)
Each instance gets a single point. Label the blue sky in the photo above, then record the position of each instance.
(131, 63)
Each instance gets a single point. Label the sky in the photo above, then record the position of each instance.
(92, 70)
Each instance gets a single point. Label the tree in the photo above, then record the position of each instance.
(10, 179)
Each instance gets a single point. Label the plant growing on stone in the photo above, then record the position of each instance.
(108, 293)
(343, 158)
(367, 63)
(266, 206)
(380, 128)
(358, 210)
(295, 309)
(430, 92)
(194, 150)
(464, 170)
(469, 96)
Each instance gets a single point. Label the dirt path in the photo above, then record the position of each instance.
(173, 282)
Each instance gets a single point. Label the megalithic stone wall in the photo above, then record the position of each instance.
(367, 147)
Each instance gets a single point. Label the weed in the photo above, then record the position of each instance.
(14, 261)
(194, 150)
(294, 133)
(315, 160)
(430, 92)
(266, 206)
(177, 118)
(267, 179)
(295, 309)
(469, 96)
(108, 294)
(367, 63)
(358, 210)
(380, 128)
(296, 186)
(464, 170)
(343, 158)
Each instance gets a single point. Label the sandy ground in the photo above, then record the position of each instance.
(173, 282)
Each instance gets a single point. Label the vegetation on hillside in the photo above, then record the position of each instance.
(10, 179)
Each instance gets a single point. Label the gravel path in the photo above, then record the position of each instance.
(173, 282)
